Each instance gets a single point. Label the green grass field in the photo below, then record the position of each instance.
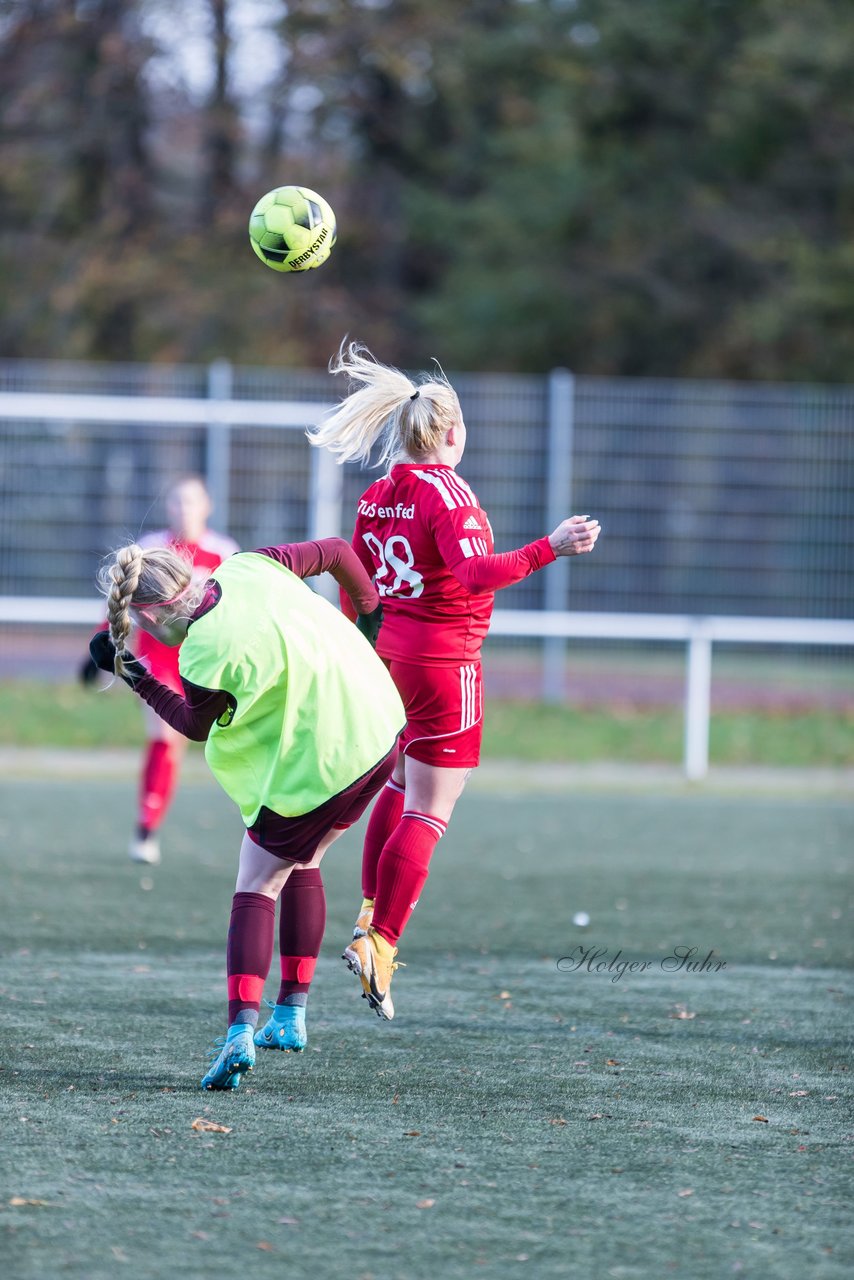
(517, 1119)
(518, 730)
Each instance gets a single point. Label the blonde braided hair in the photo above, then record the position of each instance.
(135, 575)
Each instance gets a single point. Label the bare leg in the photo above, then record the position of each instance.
(262, 872)
(430, 789)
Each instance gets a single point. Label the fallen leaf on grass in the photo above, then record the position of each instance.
(19, 1201)
(686, 1191)
(412, 1133)
(611, 1062)
(683, 1013)
(425, 1204)
(265, 1246)
(762, 1119)
(201, 1125)
(557, 1120)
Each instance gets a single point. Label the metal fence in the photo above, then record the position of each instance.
(716, 499)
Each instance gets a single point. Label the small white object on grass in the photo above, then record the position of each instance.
(581, 919)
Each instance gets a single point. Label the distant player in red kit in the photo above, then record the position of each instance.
(427, 543)
(188, 507)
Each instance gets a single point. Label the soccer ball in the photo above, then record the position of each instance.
(292, 229)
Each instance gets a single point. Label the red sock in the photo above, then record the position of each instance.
(403, 870)
(384, 819)
(249, 953)
(302, 920)
(159, 775)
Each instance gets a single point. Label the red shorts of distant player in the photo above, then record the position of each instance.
(296, 839)
(444, 713)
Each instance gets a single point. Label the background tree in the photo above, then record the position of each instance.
(662, 188)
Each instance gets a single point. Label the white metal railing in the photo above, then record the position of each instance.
(698, 634)
(189, 410)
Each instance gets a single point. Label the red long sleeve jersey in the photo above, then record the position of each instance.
(427, 543)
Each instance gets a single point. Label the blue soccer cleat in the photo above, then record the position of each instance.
(235, 1055)
(285, 1029)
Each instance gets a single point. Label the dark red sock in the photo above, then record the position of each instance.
(302, 920)
(403, 870)
(384, 819)
(249, 953)
(159, 775)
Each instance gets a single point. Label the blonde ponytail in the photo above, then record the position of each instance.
(410, 418)
(153, 576)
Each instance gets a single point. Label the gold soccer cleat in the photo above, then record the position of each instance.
(372, 959)
(364, 918)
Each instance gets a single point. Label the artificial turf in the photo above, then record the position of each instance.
(518, 1118)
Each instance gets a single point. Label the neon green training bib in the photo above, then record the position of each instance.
(316, 708)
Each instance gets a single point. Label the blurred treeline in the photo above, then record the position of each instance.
(620, 186)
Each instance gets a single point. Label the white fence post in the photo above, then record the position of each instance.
(324, 508)
(561, 413)
(218, 445)
(698, 701)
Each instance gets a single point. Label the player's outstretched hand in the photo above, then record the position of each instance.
(369, 624)
(88, 672)
(574, 536)
(103, 653)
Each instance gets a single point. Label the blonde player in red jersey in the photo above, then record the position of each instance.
(427, 543)
(188, 508)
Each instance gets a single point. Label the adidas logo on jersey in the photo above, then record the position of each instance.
(472, 523)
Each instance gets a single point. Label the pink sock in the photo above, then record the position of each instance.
(384, 819)
(403, 870)
(302, 920)
(249, 954)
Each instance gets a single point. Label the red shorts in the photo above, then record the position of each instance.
(444, 713)
(296, 839)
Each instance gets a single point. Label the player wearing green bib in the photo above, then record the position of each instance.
(300, 721)
(302, 724)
